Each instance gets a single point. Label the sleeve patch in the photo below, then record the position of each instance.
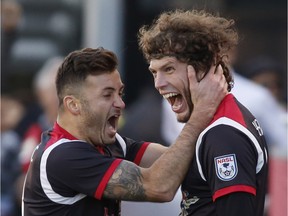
(226, 167)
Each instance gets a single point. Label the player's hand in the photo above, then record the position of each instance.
(210, 91)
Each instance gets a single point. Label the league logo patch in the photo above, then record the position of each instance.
(226, 167)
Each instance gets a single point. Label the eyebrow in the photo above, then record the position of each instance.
(113, 89)
(162, 66)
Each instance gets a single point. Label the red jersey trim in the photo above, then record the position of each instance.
(141, 153)
(58, 133)
(233, 112)
(63, 132)
(232, 189)
(99, 192)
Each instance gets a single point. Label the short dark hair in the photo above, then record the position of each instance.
(81, 63)
(194, 37)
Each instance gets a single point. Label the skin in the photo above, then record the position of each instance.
(88, 117)
(171, 81)
(170, 69)
(97, 109)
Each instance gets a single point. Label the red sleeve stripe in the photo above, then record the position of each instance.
(105, 179)
(140, 153)
(232, 189)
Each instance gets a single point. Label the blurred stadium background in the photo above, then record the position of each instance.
(48, 28)
(56, 27)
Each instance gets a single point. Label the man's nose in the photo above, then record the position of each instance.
(160, 81)
(119, 103)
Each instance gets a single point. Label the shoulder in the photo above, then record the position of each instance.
(225, 134)
(65, 149)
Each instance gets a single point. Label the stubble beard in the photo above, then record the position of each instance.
(91, 127)
(190, 105)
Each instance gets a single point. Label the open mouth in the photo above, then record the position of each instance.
(171, 97)
(112, 125)
(175, 100)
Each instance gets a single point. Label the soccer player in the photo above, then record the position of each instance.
(228, 173)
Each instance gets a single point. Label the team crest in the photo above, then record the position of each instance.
(226, 167)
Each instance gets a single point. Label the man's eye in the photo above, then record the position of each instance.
(121, 94)
(169, 69)
(154, 74)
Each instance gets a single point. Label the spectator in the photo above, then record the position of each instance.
(11, 14)
(270, 74)
(12, 111)
(45, 90)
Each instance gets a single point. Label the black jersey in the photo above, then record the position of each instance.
(230, 160)
(68, 176)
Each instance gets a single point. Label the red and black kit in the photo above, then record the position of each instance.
(70, 175)
(228, 174)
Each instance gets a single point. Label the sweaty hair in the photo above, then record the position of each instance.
(194, 37)
(78, 65)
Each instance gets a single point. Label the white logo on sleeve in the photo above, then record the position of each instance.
(226, 167)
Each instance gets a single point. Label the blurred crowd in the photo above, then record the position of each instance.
(25, 113)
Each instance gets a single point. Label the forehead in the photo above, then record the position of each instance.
(105, 81)
(156, 64)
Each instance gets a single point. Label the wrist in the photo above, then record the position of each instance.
(200, 118)
(204, 114)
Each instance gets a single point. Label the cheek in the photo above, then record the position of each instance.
(184, 85)
(100, 110)
(182, 76)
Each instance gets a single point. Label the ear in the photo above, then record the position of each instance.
(72, 104)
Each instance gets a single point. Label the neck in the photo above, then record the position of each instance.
(68, 124)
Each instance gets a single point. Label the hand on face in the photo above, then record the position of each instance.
(209, 92)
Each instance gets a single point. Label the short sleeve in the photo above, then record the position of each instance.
(135, 150)
(228, 160)
(76, 167)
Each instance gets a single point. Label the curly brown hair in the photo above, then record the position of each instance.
(194, 37)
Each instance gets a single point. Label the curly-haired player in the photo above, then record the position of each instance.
(228, 174)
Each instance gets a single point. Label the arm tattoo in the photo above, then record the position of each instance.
(126, 183)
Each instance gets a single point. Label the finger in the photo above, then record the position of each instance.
(211, 71)
(219, 70)
(191, 75)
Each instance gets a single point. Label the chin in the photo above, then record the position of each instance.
(183, 117)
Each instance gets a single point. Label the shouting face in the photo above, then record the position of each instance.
(101, 107)
(170, 79)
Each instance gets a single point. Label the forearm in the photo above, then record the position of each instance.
(165, 176)
(152, 153)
